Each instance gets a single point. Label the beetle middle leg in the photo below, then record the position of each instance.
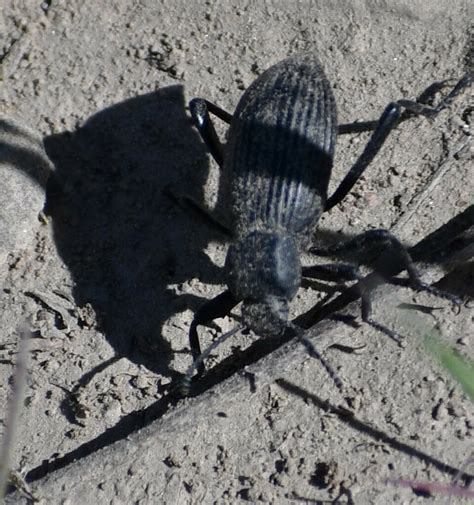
(341, 272)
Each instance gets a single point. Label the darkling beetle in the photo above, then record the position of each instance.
(279, 157)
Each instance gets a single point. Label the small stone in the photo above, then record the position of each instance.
(112, 413)
(24, 170)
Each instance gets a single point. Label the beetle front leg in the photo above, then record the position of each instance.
(378, 238)
(220, 306)
(200, 109)
(347, 272)
(383, 238)
(339, 274)
(367, 317)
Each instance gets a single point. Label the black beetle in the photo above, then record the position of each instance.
(279, 157)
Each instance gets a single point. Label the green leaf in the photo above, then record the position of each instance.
(460, 368)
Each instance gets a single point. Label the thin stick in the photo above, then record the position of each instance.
(15, 403)
(458, 476)
(418, 199)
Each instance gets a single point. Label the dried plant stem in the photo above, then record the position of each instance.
(16, 401)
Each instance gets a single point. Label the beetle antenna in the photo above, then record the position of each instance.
(185, 382)
(314, 353)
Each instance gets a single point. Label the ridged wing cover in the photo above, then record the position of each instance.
(281, 147)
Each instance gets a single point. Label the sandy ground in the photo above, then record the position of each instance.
(114, 275)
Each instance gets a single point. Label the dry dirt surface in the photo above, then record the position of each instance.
(115, 269)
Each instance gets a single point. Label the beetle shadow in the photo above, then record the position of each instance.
(123, 241)
(371, 432)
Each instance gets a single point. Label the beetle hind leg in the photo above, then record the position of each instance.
(393, 115)
(419, 107)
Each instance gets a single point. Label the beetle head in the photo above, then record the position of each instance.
(264, 270)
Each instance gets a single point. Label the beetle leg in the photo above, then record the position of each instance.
(367, 318)
(378, 238)
(220, 306)
(184, 384)
(348, 272)
(436, 245)
(333, 272)
(188, 202)
(421, 103)
(218, 112)
(385, 125)
(314, 353)
(200, 109)
(419, 108)
(391, 117)
(339, 274)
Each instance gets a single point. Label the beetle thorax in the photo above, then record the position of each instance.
(264, 270)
